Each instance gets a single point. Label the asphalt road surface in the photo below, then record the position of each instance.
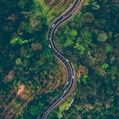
(69, 69)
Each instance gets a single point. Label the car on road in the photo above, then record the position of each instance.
(53, 25)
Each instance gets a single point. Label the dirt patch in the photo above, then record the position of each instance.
(21, 89)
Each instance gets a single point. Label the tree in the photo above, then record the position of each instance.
(68, 43)
(17, 40)
(73, 33)
(80, 48)
(95, 6)
(102, 37)
(87, 17)
(18, 61)
(105, 66)
(108, 48)
(86, 37)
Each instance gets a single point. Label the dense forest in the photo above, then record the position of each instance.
(30, 75)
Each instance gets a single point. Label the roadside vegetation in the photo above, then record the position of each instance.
(27, 66)
(30, 76)
(90, 41)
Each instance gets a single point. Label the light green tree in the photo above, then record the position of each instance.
(108, 48)
(68, 42)
(18, 61)
(95, 5)
(73, 32)
(105, 66)
(17, 40)
(102, 37)
(80, 48)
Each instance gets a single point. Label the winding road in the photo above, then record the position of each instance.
(76, 5)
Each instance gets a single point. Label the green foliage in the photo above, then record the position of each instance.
(87, 37)
(87, 17)
(105, 66)
(64, 106)
(68, 43)
(34, 110)
(84, 79)
(101, 58)
(36, 46)
(18, 40)
(102, 37)
(35, 22)
(95, 5)
(73, 33)
(18, 61)
(26, 53)
(48, 54)
(80, 48)
(42, 5)
(21, 4)
(24, 44)
(108, 48)
(33, 62)
(87, 2)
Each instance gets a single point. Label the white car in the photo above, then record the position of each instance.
(67, 60)
(49, 46)
(65, 91)
(64, 16)
(67, 83)
(53, 25)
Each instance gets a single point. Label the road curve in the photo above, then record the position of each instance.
(69, 69)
